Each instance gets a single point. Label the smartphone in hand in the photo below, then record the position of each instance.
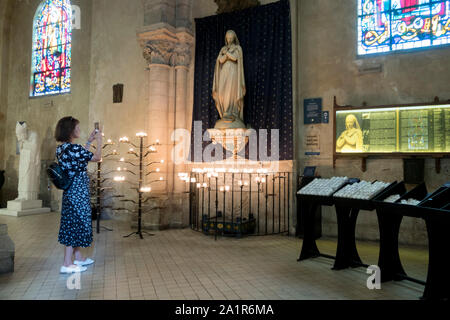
(97, 127)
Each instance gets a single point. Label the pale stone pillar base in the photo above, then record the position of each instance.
(7, 251)
(21, 208)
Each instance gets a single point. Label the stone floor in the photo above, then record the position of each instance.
(184, 264)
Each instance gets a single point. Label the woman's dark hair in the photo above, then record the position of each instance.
(65, 128)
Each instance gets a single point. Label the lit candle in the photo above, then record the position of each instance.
(162, 161)
(131, 150)
(161, 178)
(141, 134)
(122, 160)
(158, 170)
(109, 141)
(157, 141)
(205, 185)
(146, 189)
(199, 185)
(227, 188)
(193, 180)
(263, 180)
(240, 182)
(119, 179)
(222, 189)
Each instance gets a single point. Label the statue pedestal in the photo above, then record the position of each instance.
(21, 208)
(233, 140)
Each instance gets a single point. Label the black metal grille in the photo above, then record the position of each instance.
(238, 204)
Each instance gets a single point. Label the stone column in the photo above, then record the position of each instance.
(159, 11)
(168, 53)
(159, 55)
(183, 60)
(183, 14)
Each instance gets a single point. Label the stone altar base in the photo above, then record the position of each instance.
(21, 208)
(7, 251)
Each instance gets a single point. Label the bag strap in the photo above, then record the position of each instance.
(58, 155)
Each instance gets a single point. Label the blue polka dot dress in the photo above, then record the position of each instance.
(76, 219)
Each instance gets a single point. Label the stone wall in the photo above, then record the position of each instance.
(41, 113)
(5, 13)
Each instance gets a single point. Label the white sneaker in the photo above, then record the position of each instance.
(72, 269)
(86, 262)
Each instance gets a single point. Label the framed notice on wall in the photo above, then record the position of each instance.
(312, 111)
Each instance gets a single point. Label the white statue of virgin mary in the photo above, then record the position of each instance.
(30, 162)
(229, 84)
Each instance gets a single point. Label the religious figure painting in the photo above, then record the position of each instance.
(351, 139)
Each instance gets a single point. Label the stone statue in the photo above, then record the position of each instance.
(351, 140)
(229, 84)
(30, 162)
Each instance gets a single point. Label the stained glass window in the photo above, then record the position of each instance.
(52, 38)
(392, 25)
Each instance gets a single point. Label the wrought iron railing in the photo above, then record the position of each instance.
(238, 204)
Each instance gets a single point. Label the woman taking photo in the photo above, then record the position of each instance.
(76, 221)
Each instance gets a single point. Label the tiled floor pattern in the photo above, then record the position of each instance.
(184, 264)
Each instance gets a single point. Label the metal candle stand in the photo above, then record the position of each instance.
(247, 222)
(99, 188)
(139, 186)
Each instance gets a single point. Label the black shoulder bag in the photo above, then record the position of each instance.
(59, 177)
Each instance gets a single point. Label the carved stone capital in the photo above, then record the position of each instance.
(159, 52)
(162, 44)
(183, 52)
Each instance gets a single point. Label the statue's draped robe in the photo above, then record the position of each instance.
(353, 141)
(229, 84)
